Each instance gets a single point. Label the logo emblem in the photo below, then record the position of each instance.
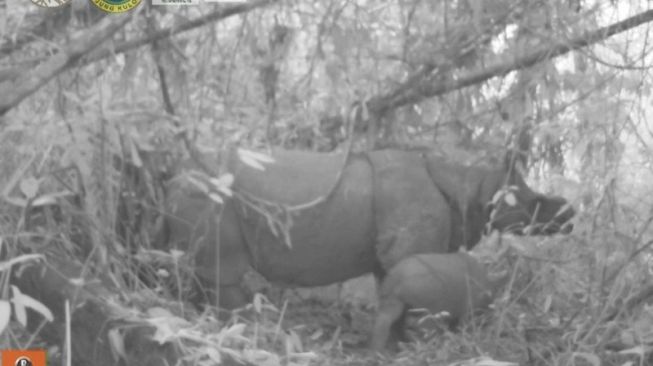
(24, 361)
(51, 3)
(25, 357)
(116, 6)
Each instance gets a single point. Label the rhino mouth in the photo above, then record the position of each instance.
(549, 228)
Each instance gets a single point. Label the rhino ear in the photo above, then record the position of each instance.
(515, 161)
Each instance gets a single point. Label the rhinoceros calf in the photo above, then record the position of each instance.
(454, 282)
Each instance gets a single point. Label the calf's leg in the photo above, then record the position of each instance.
(390, 311)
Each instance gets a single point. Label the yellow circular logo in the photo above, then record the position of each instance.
(116, 6)
(51, 3)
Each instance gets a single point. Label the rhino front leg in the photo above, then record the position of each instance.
(390, 311)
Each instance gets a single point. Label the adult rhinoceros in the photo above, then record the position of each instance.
(382, 207)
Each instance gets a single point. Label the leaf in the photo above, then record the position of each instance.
(198, 184)
(163, 332)
(293, 343)
(19, 309)
(176, 254)
(252, 163)
(235, 330)
(254, 159)
(637, 350)
(136, 157)
(257, 302)
(316, 335)
(5, 314)
(486, 361)
(547, 303)
(21, 301)
(214, 355)
(497, 196)
(261, 357)
(157, 311)
(20, 259)
(117, 342)
(216, 198)
(30, 187)
(161, 272)
(589, 357)
(79, 281)
(224, 183)
(50, 198)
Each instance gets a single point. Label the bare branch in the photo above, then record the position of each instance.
(221, 13)
(430, 88)
(13, 93)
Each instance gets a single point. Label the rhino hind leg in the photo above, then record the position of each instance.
(390, 312)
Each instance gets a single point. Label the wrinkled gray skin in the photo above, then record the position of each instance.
(388, 205)
(453, 282)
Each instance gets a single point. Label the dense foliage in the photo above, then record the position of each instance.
(97, 106)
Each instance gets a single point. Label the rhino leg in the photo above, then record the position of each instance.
(389, 313)
(233, 261)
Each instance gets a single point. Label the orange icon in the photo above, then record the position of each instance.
(27, 357)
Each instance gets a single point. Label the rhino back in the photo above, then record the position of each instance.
(332, 240)
(293, 178)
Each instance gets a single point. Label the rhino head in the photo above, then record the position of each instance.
(516, 208)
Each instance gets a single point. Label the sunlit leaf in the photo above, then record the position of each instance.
(176, 254)
(20, 259)
(254, 159)
(19, 311)
(252, 163)
(216, 198)
(198, 184)
(22, 301)
(5, 314)
(213, 355)
(316, 335)
(293, 343)
(261, 357)
(79, 281)
(135, 156)
(547, 303)
(257, 302)
(224, 183)
(29, 187)
(235, 330)
(117, 343)
(158, 312)
(640, 350)
(162, 273)
(486, 361)
(589, 357)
